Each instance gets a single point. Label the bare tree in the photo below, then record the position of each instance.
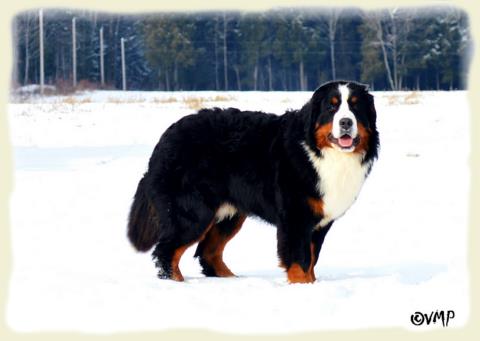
(124, 74)
(27, 49)
(225, 60)
(74, 52)
(42, 73)
(393, 43)
(15, 59)
(302, 77)
(102, 70)
(270, 76)
(402, 45)
(215, 32)
(237, 74)
(332, 29)
(377, 19)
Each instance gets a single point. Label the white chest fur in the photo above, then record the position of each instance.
(341, 177)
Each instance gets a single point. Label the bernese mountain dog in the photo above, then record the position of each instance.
(299, 171)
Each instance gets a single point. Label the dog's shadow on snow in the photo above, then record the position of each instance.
(407, 273)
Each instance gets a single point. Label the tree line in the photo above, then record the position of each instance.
(288, 49)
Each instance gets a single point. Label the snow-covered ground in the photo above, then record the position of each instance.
(400, 249)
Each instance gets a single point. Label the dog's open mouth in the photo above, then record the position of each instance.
(345, 141)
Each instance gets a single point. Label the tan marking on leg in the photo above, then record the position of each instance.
(214, 244)
(295, 274)
(311, 269)
(176, 273)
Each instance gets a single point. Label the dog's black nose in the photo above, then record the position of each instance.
(346, 123)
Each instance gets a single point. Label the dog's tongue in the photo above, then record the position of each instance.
(345, 141)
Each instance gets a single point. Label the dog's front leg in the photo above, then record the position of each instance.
(318, 236)
(295, 252)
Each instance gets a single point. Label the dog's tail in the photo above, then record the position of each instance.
(143, 223)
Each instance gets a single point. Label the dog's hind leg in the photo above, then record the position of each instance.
(210, 249)
(170, 248)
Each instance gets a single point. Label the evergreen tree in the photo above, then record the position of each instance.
(294, 49)
(253, 34)
(170, 48)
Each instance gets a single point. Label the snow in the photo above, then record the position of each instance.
(28, 92)
(401, 248)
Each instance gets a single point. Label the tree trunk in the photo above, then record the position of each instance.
(261, 79)
(161, 80)
(124, 71)
(225, 60)
(384, 52)
(237, 73)
(402, 74)
(270, 83)
(27, 51)
(284, 79)
(15, 75)
(57, 64)
(332, 28)
(217, 85)
(74, 52)
(302, 76)
(167, 80)
(332, 59)
(102, 68)
(36, 73)
(175, 75)
(64, 66)
(255, 76)
(42, 74)
(394, 50)
(115, 50)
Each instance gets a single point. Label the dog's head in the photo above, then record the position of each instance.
(342, 116)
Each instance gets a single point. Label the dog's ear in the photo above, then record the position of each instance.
(371, 112)
(373, 141)
(318, 97)
(359, 86)
(312, 110)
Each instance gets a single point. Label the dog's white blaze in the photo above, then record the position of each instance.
(225, 210)
(341, 176)
(343, 112)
